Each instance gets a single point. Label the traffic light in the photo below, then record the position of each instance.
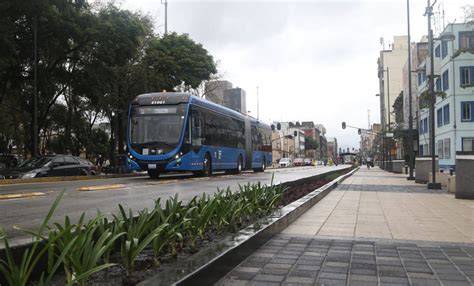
(273, 127)
(343, 125)
(295, 133)
(278, 126)
(359, 131)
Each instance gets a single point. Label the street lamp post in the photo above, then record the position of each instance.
(410, 115)
(165, 2)
(433, 184)
(387, 146)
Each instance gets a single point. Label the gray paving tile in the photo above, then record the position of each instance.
(242, 275)
(331, 275)
(424, 282)
(456, 283)
(264, 283)
(365, 278)
(275, 271)
(390, 279)
(304, 273)
(300, 280)
(232, 282)
(269, 278)
(331, 282)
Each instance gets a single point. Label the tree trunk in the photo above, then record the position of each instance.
(120, 133)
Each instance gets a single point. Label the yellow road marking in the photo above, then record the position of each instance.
(102, 187)
(21, 195)
(162, 182)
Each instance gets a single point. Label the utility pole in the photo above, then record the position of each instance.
(410, 115)
(165, 2)
(433, 184)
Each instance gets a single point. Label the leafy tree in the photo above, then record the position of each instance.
(398, 108)
(176, 62)
(310, 143)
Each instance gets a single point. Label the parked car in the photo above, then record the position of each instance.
(308, 162)
(8, 161)
(49, 166)
(285, 162)
(94, 170)
(298, 162)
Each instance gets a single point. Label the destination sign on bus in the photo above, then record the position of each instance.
(156, 110)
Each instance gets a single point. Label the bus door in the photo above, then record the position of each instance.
(248, 144)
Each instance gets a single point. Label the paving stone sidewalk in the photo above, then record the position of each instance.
(376, 228)
(306, 260)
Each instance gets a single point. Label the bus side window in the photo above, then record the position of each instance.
(196, 129)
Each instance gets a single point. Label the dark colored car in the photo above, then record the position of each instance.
(8, 161)
(48, 166)
(94, 170)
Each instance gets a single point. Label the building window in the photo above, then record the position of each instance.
(447, 148)
(440, 149)
(445, 80)
(466, 111)
(426, 147)
(467, 76)
(444, 49)
(466, 40)
(421, 150)
(439, 117)
(438, 84)
(437, 52)
(446, 114)
(425, 125)
(468, 144)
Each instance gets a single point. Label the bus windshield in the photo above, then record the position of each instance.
(156, 125)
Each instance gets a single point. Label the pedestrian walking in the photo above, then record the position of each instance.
(99, 163)
(107, 166)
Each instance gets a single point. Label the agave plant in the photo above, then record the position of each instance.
(86, 246)
(139, 234)
(20, 273)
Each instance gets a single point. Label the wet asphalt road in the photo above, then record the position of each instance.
(137, 193)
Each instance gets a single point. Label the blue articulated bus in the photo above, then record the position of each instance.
(179, 132)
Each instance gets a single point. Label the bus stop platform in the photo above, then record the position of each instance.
(376, 228)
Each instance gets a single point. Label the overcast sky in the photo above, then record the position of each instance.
(312, 60)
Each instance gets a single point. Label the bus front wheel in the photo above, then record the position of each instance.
(154, 174)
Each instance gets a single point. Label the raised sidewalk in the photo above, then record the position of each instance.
(376, 228)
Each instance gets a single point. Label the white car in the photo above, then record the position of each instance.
(285, 162)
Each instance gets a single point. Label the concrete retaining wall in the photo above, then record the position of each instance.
(465, 175)
(423, 168)
(397, 166)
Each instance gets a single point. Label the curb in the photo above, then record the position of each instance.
(229, 254)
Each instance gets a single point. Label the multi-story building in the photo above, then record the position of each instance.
(310, 131)
(283, 146)
(214, 90)
(332, 148)
(454, 86)
(287, 131)
(235, 98)
(390, 74)
(323, 147)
